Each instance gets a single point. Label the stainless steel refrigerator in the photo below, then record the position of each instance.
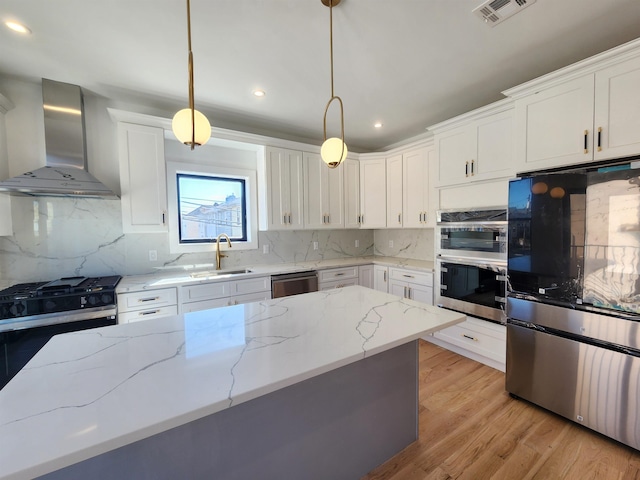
(573, 302)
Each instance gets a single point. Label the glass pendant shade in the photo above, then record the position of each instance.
(333, 151)
(181, 126)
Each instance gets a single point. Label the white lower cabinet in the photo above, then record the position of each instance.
(337, 278)
(478, 339)
(381, 278)
(411, 284)
(148, 304)
(222, 294)
(365, 276)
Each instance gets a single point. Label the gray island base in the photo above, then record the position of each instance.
(338, 425)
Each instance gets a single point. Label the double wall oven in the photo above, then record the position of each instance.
(471, 262)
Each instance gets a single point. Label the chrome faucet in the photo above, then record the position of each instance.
(218, 254)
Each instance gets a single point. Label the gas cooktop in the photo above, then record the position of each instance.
(64, 294)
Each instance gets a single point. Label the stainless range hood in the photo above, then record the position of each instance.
(65, 173)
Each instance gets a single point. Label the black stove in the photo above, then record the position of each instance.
(62, 295)
(32, 313)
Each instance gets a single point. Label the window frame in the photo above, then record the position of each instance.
(197, 169)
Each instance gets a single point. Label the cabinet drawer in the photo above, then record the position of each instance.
(205, 291)
(337, 284)
(250, 297)
(411, 276)
(488, 341)
(250, 285)
(337, 274)
(204, 305)
(147, 299)
(147, 314)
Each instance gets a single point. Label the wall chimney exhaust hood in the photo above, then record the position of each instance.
(65, 173)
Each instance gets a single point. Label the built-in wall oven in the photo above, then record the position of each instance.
(471, 262)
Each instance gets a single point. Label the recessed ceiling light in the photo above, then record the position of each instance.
(17, 27)
(259, 93)
(377, 125)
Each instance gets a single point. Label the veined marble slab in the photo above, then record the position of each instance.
(180, 275)
(89, 392)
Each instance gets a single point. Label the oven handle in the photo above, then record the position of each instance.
(56, 318)
(479, 262)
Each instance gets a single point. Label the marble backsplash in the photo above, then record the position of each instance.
(59, 237)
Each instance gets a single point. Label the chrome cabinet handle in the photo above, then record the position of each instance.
(469, 337)
(399, 221)
(472, 170)
(150, 312)
(384, 276)
(466, 169)
(338, 274)
(599, 140)
(148, 299)
(408, 276)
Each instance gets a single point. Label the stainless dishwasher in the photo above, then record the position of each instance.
(287, 284)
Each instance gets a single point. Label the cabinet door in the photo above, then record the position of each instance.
(415, 167)
(323, 197)
(454, 152)
(365, 276)
(420, 293)
(373, 198)
(494, 154)
(551, 125)
(381, 278)
(143, 178)
(284, 186)
(394, 192)
(617, 110)
(398, 288)
(351, 193)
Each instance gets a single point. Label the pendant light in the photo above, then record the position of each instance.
(333, 150)
(189, 125)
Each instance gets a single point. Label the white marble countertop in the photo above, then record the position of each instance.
(181, 275)
(92, 391)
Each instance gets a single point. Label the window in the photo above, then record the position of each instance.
(209, 206)
(207, 200)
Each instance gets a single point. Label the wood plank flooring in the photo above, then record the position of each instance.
(470, 428)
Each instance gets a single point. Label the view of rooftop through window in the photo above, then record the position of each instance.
(209, 206)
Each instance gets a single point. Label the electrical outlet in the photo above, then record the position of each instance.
(315, 245)
(357, 243)
(153, 255)
(265, 249)
(390, 243)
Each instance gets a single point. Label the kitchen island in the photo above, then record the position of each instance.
(321, 385)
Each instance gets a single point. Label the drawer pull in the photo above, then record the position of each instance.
(148, 299)
(470, 337)
(150, 312)
(408, 276)
(338, 274)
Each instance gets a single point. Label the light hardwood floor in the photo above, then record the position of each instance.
(470, 428)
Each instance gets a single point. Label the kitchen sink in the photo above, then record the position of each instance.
(218, 273)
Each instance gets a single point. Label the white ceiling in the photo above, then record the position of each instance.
(406, 63)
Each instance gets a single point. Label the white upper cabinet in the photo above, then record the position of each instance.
(476, 146)
(6, 223)
(143, 178)
(323, 193)
(585, 112)
(415, 188)
(351, 193)
(373, 198)
(284, 189)
(554, 125)
(617, 111)
(394, 191)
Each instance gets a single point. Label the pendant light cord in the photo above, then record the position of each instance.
(191, 102)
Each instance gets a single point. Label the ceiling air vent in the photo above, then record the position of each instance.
(494, 12)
